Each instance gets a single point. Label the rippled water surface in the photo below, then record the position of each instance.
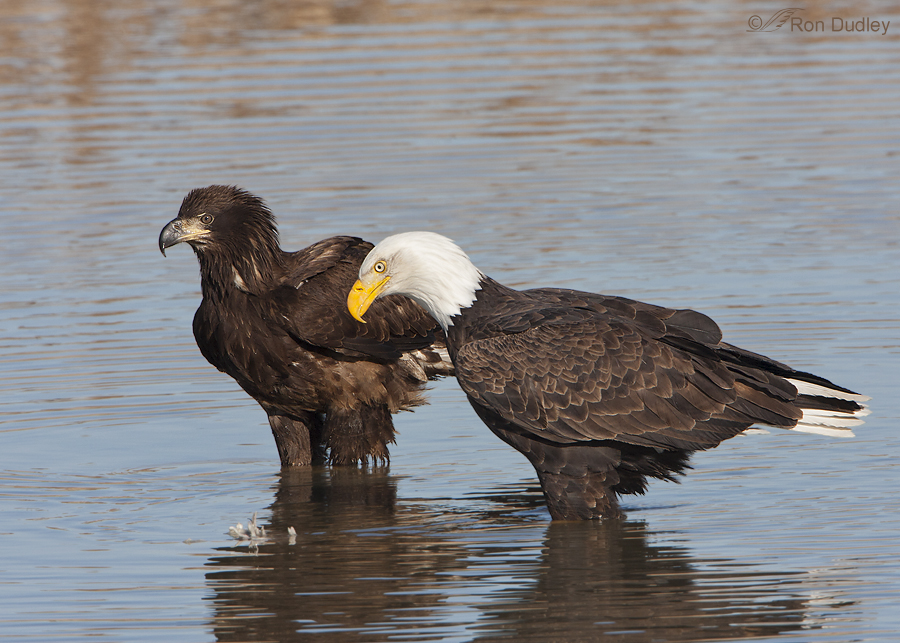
(656, 150)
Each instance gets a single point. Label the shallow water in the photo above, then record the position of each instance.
(655, 150)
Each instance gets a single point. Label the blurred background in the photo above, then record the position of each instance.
(657, 150)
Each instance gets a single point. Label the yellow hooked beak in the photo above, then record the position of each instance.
(361, 297)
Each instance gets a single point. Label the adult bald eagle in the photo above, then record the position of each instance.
(597, 392)
(275, 322)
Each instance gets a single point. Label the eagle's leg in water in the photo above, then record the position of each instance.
(359, 436)
(298, 438)
(578, 480)
(580, 497)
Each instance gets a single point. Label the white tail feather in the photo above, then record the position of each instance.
(805, 388)
(833, 423)
(818, 417)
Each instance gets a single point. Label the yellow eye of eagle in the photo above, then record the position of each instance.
(380, 267)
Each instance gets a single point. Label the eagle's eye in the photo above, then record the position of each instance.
(380, 267)
(206, 219)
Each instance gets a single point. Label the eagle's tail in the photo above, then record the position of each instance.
(827, 408)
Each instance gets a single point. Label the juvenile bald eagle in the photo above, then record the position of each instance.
(275, 321)
(597, 392)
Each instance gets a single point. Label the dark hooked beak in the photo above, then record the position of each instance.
(178, 230)
(170, 235)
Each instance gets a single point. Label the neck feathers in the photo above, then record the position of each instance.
(252, 266)
(449, 305)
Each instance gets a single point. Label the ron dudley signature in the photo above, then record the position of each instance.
(797, 23)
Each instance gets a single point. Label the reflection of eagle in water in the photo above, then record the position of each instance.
(597, 392)
(503, 576)
(276, 322)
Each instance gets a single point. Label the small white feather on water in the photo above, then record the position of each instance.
(251, 532)
(256, 533)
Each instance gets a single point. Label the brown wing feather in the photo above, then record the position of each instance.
(311, 305)
(682, 322)
(599, 379)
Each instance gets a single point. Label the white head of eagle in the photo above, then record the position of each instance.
(426, 267)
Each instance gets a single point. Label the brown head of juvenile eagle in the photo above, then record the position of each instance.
(598, 392)
(275, 321)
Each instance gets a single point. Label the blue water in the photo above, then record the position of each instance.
(653, 150)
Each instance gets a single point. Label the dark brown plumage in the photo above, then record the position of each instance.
(598, 392)
(276, 323)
